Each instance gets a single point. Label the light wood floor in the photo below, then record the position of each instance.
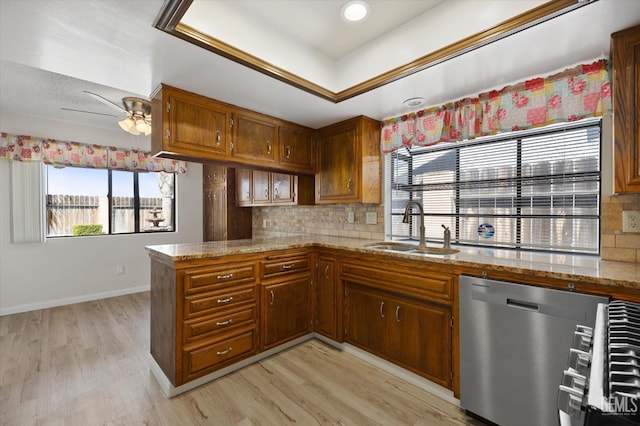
(87, 364)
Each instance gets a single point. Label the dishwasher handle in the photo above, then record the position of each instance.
(520, 304)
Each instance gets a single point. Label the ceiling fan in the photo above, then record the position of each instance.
(137, 111)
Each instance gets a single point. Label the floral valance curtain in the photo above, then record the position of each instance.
(574, 94)
(74, 154)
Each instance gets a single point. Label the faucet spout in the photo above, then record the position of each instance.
(405, 219)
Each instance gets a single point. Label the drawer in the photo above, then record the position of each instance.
(219, 323)
(208, 278)
(425, 285)
(285, 265)
(209, 303)
(203, 360)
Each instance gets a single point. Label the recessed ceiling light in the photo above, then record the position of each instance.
(354, 11)
(414, 102)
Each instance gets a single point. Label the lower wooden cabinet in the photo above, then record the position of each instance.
(415, 335)
(328, 300)
(286, 310)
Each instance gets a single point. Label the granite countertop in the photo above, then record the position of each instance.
(580, 268)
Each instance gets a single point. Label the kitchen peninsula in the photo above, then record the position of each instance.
(218, 306)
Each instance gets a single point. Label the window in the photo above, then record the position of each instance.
(537, 190)
(83, 201)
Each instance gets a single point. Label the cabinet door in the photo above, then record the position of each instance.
(197, 125)
(219, 212)
(625, 51)
(286, 311)
(207, 213)
(420, 338)
(244, 187)
(296, 148)
(366, 319)
(282, 188)
(254, 140)
(326, 298)
(338, 163)
(261, 187)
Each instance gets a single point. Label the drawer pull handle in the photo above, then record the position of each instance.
(273, 297)
(226, 351)
(223, 323)
(286, 267)
(382, 309)
(397, 313)
(224, 277)
(223, 301)
(326, 272)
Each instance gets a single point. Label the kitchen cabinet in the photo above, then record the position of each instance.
(413, 334)
(222, 218)
(189, 124)
(254, 139)
(625, 54)
(204, 317)
(348, 159)
(286, 298)
(297, 148)
(328, 298)
(196, 128)
(260, 188)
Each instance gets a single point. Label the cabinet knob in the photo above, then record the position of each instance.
(288, 151)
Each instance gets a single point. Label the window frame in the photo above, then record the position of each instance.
(136, 205)
(455, 215)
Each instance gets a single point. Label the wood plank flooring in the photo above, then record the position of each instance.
(88, 364)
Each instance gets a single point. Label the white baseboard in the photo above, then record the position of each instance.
(71, 300)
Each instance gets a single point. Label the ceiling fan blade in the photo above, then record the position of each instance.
(105, 101)
(88, 112)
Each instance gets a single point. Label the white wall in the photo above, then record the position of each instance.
(69, 270)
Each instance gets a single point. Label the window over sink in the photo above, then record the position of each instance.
(537, 189)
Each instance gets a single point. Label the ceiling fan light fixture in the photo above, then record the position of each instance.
(127, 124)
(354, 11)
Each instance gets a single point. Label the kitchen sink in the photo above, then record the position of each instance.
(412, 249)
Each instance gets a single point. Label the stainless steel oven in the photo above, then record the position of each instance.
(601, 385)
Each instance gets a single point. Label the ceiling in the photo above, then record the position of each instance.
(53, 50)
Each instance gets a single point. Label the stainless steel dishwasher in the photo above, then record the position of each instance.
(514, 341)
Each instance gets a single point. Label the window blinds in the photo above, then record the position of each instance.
(530, 190)
(27, 202)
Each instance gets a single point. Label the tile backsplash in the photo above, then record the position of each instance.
(615, 244)
(333, 220)
(319, 220)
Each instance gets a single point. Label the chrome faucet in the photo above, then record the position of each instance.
(405, 219)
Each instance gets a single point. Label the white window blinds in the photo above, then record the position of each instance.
(27, 202)
(526, 190)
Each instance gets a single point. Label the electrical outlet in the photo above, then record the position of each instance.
(264, 223)
(371, 218)
(631, 221)
(120, 270)
(351, 217)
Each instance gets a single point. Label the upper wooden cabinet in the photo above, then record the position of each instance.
(255, 139)
(297, 148)
(191, 125)
(260, 188)
(197, 128)
(625, 53)
(222, 218)
(348, 158)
